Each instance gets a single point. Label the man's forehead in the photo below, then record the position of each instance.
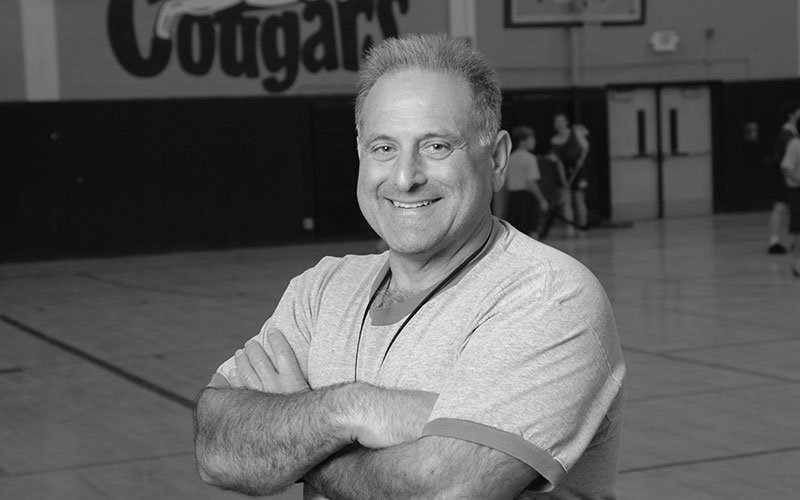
(418, 90)
(416, 75)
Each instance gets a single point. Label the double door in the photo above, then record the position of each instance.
(660, 151)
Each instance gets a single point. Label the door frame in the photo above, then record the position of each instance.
(715, 113)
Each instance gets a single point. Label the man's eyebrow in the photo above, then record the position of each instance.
(434, 134)
(373, 138)
(451, 137)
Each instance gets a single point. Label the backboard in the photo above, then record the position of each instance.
(526, 13)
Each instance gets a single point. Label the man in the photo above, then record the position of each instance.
(524, 194)
(779, 218)
(468, 361)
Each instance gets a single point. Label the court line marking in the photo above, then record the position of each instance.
(710, 364)
(165, 291)
(679, 395)
(91, 465)
(737, 369)
(100, 363)
(698, 461)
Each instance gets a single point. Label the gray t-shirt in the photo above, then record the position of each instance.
(521, 347)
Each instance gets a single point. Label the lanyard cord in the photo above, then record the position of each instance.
(424, 301)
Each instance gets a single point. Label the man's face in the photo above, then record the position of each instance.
(425, 183)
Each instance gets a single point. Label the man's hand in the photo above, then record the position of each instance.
(388, 417)
(254, 369)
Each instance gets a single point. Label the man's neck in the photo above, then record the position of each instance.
(414, 273)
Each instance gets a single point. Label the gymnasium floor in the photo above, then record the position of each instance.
(100, 360)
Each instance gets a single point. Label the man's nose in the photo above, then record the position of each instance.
(409, 171)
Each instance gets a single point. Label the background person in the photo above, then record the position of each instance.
(467, 361)
(779, 217)
(570, 147)
(526, 202)
(790, 166)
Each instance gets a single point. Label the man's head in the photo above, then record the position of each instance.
(430, 149)
(523, 137)
(442, 54)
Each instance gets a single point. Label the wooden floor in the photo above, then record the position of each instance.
(100, 360)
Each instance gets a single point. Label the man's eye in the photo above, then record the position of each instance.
(382, 152)
(437, 150)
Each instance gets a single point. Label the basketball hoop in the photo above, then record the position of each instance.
(526, 13)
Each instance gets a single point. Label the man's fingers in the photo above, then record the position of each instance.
(259, 359)
(284, 355)
(233, 379)
(262, 365)
(245, 372)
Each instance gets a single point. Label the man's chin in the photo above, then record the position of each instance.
(408, 247)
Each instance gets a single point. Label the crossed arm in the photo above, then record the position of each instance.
(349, 441)
(430, 467)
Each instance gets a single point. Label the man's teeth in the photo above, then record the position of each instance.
(400, 204)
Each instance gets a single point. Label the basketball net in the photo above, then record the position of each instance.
(588, 11)
(578, 6)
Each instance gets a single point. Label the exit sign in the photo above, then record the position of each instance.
(664, 41)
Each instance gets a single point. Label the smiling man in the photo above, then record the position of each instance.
(467, 361)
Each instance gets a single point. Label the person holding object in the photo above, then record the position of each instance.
(467, 361)
(570, 147)
(524, 194)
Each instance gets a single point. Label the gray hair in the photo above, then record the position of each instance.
(440, 53)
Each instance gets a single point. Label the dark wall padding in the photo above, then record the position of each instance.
(101, 178)
(742, 176)
(334, 161)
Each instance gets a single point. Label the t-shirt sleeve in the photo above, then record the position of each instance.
(533, 381)
(293, 317)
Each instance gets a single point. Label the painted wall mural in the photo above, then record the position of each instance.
(268, 40)
(77, 50)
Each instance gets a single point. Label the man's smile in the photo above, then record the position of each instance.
(413, 204)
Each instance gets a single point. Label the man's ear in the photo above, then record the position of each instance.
(500, 154)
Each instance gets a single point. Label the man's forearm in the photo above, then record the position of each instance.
(256, 442)
(356, 473)
(431, 467)
(261, 443)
